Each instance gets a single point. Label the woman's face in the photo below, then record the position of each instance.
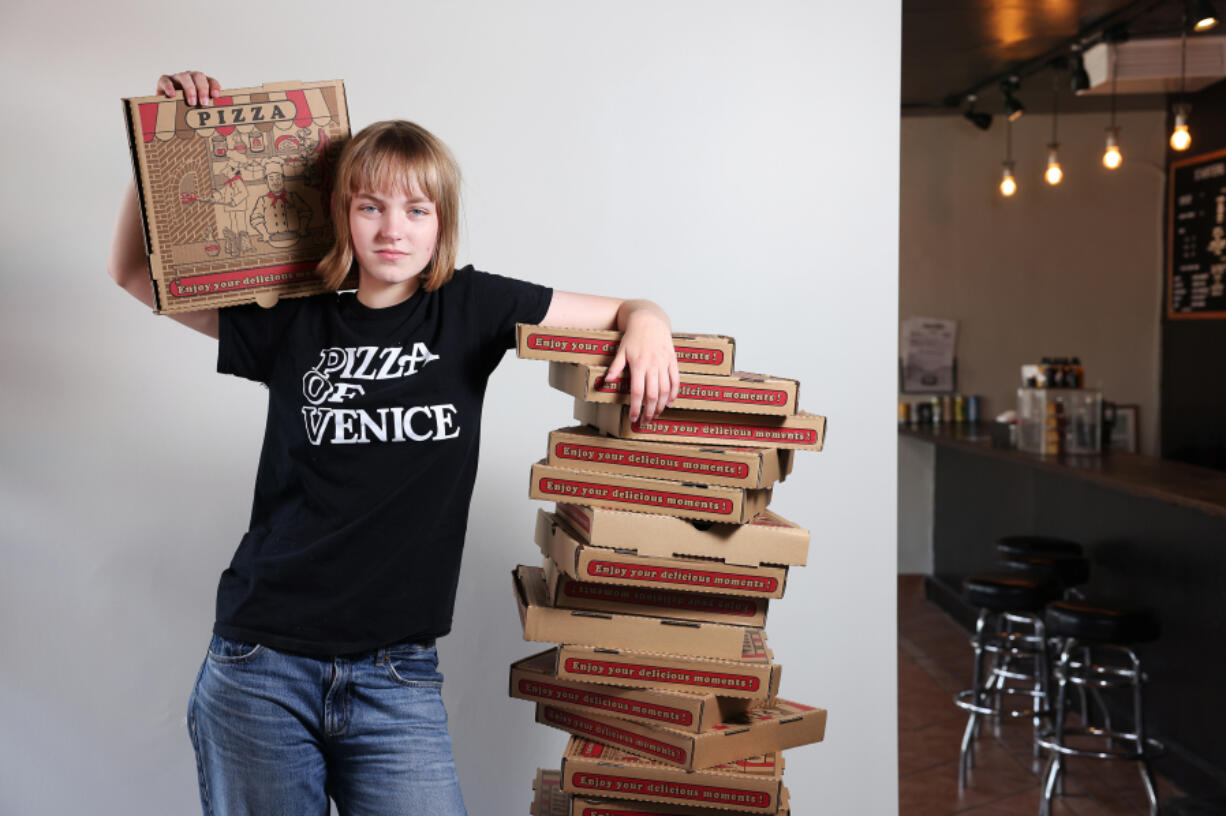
(393, 234)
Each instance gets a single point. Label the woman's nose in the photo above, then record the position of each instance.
(390, 227)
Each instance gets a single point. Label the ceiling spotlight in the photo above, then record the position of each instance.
(1079, 78)
(1013, 106)
(1204, 15)
(979, 119)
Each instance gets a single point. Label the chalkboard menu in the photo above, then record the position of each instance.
(1196, 238)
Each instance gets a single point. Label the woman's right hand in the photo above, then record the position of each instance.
(198, 87)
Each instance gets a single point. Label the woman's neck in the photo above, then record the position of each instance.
(375, 294)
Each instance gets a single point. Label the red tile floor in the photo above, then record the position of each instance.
(934, 662)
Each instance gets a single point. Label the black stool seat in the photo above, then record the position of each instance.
(1067, 571)
(1041, 546)
(1001, 592)
(1087, 620)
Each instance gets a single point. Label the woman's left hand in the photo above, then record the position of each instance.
(647, 351)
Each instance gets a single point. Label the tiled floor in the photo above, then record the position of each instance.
(934, 662)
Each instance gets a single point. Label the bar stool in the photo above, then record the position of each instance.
(1005, 601)
(1034, 545)
(1100, 633)
(1066, 571)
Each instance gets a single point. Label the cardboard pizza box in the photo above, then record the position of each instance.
(604, 566)
(592, 769)
(542, 622)
(739, 392)
(801, 431)
(233, 196)
(768, 538)
(565, 592)
(755, 732)
(588, 806)
(710, 353)
(547, 796)
(754, 677)
(640, 495)
(535, 679)
(584, 448)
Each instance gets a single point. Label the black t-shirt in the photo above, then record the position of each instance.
(370, 452)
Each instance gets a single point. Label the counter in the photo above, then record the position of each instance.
(1155, 534)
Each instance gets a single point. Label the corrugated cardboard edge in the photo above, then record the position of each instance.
(598, 599)
(606, 630)
(557, 539)
(671, 537)
(768, 680)
(646, 770)
(765, 466)
(586, 381)
(726, 742)
(702, 708)
(716, 427)
(722, 343)
(744, 503)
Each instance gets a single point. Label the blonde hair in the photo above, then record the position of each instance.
(389, 157)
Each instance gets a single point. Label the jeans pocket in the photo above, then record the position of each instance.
(224, 650)
(414, 666)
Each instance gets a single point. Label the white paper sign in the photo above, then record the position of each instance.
(927, 352)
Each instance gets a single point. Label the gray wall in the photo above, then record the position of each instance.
(1073, 269)
(693, 153)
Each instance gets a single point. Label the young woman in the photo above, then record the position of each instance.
(321, 677)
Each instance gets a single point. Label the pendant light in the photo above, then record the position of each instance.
(1111, 156)
(1008, 184)
(1053, 174)
(1180, 138)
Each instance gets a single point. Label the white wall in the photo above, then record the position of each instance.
(1073, 269)
(694, 153)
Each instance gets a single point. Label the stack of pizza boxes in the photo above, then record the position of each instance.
(660, 559)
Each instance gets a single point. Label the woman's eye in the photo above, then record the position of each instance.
(368, 208)
(418, 212)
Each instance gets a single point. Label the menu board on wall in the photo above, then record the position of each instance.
(1196, 238)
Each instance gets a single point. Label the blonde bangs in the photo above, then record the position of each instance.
(389, 157)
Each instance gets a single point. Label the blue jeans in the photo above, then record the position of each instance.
(277, 733)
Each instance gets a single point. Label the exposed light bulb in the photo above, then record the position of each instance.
(1180, 138)
(1111, 156)
(1008, 185)
(1054, 174)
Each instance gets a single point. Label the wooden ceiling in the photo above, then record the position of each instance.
(951, 46)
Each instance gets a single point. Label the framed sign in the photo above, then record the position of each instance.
(1196, 238)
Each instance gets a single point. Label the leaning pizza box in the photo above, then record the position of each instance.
(754, 677)
(565, 592)
(547, 796)
(740, 391)
(709, 353)
(767, 538)
(535, 679)
(235, 196)
(660, 496)
(801, 431)
(599, 565)
(545, 623)
(757, 731)
(592, 806)
(584, 448)
(592, 769)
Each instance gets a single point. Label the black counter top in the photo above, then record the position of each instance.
(1176, 483)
